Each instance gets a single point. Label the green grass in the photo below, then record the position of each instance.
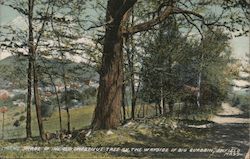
(155, 135)
(80, 118)
(143, 133)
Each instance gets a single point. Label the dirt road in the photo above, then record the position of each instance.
(231, 129)
(229, 115)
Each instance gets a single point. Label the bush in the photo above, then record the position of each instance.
(22, 118)
(17, 123)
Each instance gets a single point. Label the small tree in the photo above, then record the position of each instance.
(3, 110)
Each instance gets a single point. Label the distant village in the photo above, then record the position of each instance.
(8, 92)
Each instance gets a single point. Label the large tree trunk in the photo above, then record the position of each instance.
(109, 99)
(29, 99)
(32, 53)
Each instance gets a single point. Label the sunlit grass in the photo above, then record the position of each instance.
(80, 118)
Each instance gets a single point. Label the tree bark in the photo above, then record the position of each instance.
(164, 109)
(132, 84)
(130, 57)
(143, 110)
(162, 106)
(198, 98)
(171, 106)
(109, 99)
(66, 100)
(35, 76)
(59, 108)
(57, 100)
(156, 109)
(3, 127)
(123, 101)
(160, 109)
(37, 100)
(106, 114)
(29, 99)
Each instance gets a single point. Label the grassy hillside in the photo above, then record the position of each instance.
(80, 117)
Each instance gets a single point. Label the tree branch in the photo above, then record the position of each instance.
(40, 32)
(181, 11)
(151, 23)
(190, 21)
(128, 4)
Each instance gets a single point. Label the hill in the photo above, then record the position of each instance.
(13, 69)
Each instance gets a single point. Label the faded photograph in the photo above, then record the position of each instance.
(125, 79)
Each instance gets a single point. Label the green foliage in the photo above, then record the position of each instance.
(162, 53)
(22, 118)
(16, 123)
(216, 58)
(172, 61)
(13, 69)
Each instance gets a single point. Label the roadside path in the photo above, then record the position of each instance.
(229, 115)
(232, 129)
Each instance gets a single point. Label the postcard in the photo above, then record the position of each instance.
(124, 79)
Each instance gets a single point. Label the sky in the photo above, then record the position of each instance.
(240, 45)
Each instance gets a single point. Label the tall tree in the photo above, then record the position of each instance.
(33, 56)
(107, 112)
(29, 71)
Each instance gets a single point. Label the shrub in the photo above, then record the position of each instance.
(17, 123)
(22, 118)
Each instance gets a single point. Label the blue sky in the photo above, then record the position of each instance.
(240, 45)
